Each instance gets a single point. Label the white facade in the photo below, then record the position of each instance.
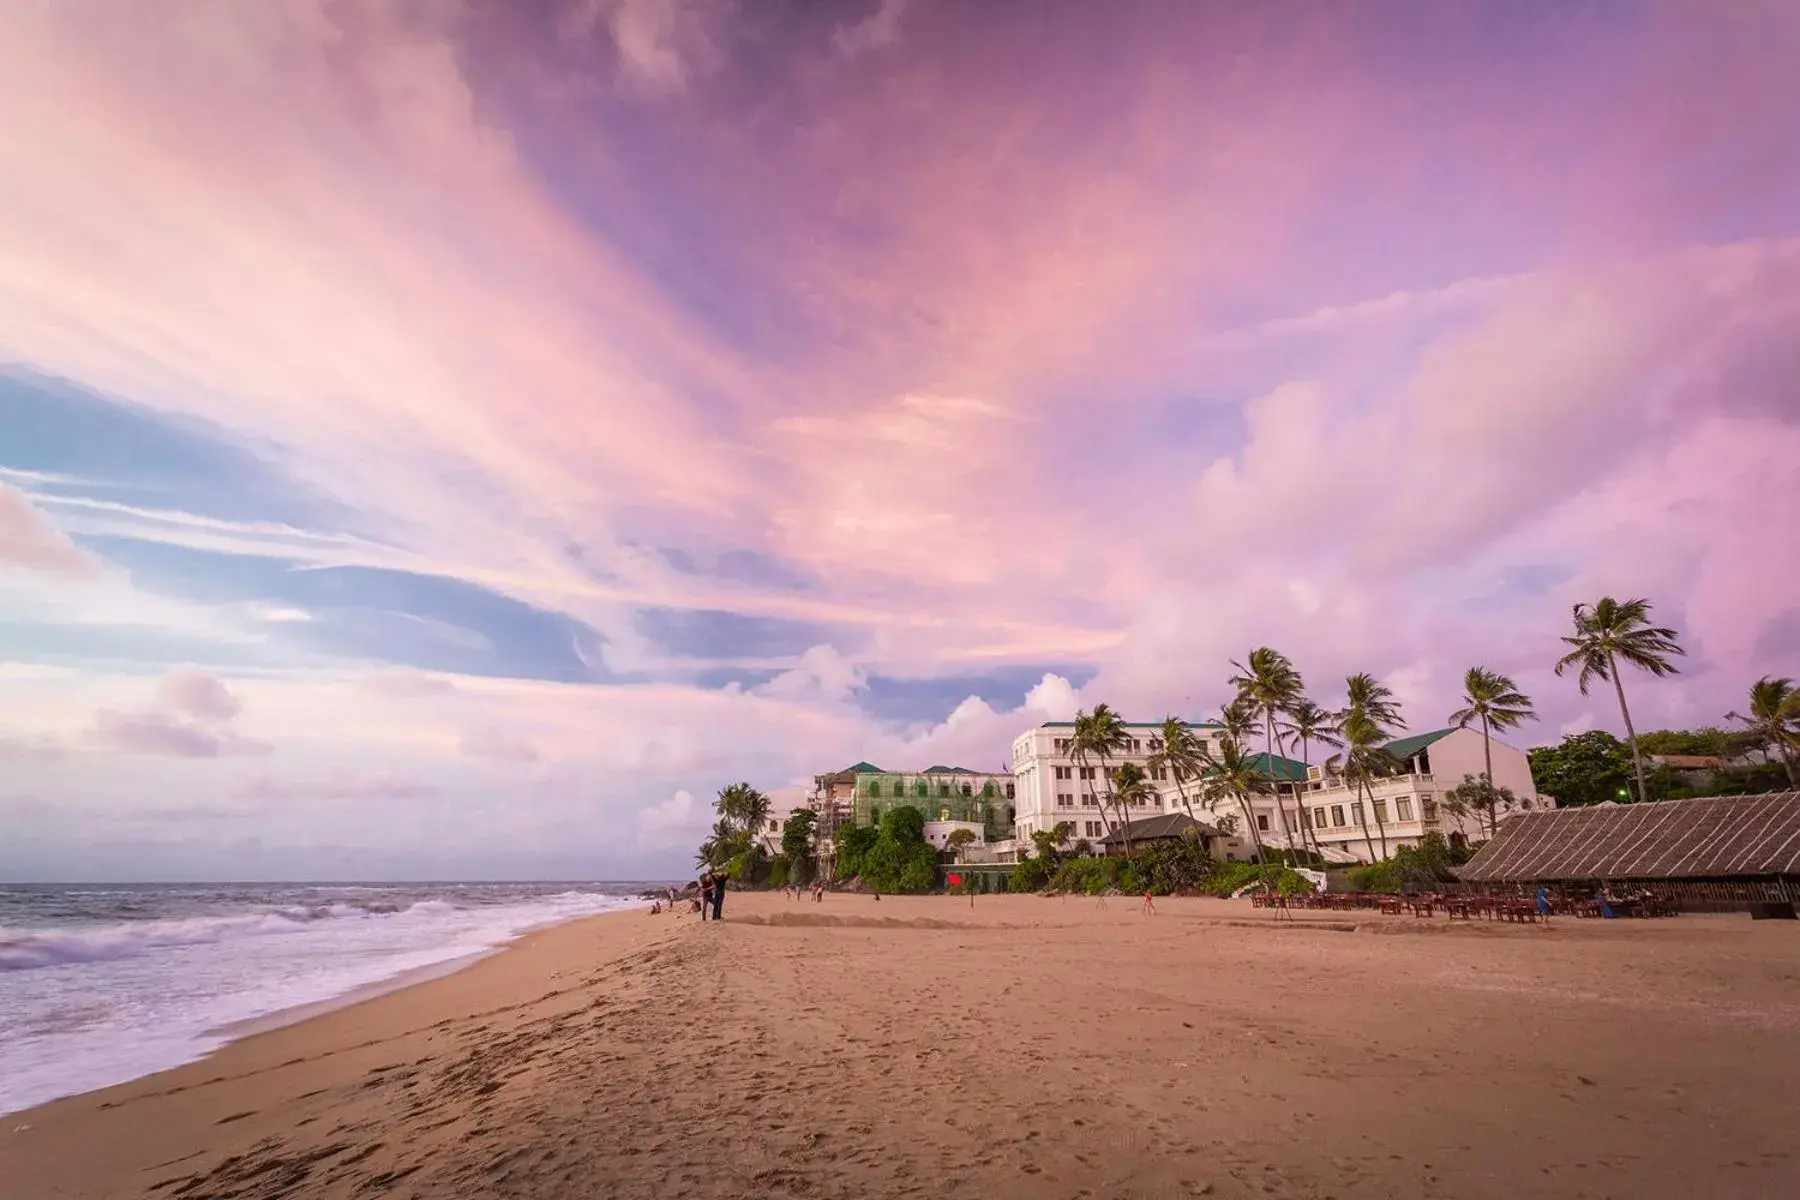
(1406, 806)
(1051, 787)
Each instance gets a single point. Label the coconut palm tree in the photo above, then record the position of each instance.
(1236, 776)
(1270, 685)
(1239, 721)
(1373, 700)
(1773, 720)
(1182, 755)
(1496, 701)
(1097, 735)
(745, 808)
(1303, 724)
(1362, 761)
(1374, 714)
(1130, 788)
(1607, 632)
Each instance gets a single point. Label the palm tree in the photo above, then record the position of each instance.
(1182, 755)
(1362, 761)
(1097, 735)
(1496, 701)
(1374, 714)
(1773, 720)
(1238, 719)
(1373, 700)
(745, 808)
(1235, 775)
(1269, 684)
(1607, 632)
(1303, 724)
(1130, 786)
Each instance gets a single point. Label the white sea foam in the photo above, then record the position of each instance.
(88, 1006)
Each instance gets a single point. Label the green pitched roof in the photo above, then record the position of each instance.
(863, 768)
(1278, 767)
(1404, 748)
(948, 771)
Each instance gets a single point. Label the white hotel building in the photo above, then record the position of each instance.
(1052, 787)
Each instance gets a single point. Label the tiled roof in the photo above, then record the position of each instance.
(948, 771)
(1150, 828)
(1713, 837)
(863, 768)
(1404, 748)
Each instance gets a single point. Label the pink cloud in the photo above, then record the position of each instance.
(1015, 342)
(29, 542)
(163, 734)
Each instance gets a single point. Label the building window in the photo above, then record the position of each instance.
(1065, 800)
(1318, 815)
(1087, 800)
(1161, 773)
(967, 790)
(1088, 772)
(1429, 807)
(1403, 807)
(1262, 822)
(1064, 772)
(1337, 815)
(1381, 810)
(1156, 743)
(1009, 790)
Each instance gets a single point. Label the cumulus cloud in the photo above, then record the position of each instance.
(880, 28)
(674, 821)
(29, 542)
(822, 674)
(166, 734)
(660, 45)
(191, 717)
(197, 694)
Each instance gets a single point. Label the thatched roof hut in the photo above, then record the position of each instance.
(1717, 839)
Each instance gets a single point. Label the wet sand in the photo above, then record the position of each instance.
(1025, 1047)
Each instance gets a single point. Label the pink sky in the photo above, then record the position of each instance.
(587, 405)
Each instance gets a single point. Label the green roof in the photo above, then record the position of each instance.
(1278, 767)
(1404, 748)
(948, 771)
(1135, 725)
(863, 768)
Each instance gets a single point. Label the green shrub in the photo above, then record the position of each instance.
(778, 871)
(853, 845)
(1228, 878)
(1167, 867)
(900, 859)
(1030, 875)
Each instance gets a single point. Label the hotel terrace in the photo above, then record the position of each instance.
(1047, 786)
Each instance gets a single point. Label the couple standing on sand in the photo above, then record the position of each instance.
(712, 894)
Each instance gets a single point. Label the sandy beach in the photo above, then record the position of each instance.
(1023, 1047)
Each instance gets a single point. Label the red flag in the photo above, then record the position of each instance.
(956, 881)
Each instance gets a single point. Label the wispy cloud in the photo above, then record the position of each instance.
(773, 386)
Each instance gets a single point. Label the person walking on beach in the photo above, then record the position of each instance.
(1149, 904)
(718, 894)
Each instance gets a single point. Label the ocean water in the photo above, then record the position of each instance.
(103, 983)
